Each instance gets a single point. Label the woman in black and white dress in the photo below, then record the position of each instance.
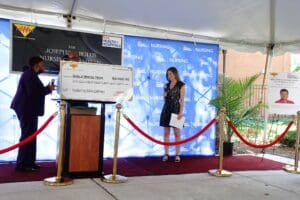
(173, 94)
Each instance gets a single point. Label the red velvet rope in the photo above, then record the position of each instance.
(170, 143)
(261, 146)
(29, 138)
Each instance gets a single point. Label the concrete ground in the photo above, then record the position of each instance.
(240, 186)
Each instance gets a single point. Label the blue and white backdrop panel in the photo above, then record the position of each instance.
(9, 124)
(197, 64)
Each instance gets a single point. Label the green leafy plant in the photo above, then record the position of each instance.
(290, 139)
(297, 69)
(233, 96)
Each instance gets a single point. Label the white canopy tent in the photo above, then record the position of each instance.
(249, 25)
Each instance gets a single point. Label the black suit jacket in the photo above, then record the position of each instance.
(30, 96)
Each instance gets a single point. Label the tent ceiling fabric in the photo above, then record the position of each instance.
(248, 24)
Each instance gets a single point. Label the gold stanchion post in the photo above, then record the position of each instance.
(114, 178)
(295, 169)
(58, 180)
(220, 172)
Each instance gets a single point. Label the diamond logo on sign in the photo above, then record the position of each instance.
(73, 65)
(274, 73)
(111, 41)
(25, 30)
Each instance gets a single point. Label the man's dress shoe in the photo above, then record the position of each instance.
(25, 169)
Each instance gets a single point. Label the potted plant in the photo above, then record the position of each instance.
(233, 96)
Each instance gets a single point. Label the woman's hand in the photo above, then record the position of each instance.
(179, 116)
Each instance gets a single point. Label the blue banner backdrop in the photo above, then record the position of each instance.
(9, 124)
(197, 64)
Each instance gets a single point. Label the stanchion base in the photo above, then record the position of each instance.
(56, 181)
(291, 169)
(114, 179)
(219, 173)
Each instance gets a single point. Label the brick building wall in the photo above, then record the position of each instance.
(241, 64)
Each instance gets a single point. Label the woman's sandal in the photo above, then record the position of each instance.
(165, 158)
(177, 158)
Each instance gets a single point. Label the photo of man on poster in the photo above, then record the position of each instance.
(284, 95)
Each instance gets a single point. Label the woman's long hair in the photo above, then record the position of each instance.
(174, 71)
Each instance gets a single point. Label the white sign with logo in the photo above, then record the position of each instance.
(284, 93)
(95, 82)
(112, 41)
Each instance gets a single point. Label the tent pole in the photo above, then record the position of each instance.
(224, 53)
(74, 6)
(269, 56)
(268, 62)
(271, 45)
(69, 17)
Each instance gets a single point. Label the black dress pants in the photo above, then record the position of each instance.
(27, 153)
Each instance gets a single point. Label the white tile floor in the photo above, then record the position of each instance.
(242, 185)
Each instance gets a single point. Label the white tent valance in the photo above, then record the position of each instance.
(241, 24)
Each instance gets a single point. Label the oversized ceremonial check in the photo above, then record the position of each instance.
(95, 82)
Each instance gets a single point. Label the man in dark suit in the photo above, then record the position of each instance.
(28, 104)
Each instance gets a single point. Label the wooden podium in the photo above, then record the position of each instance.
(84, 143)
(83, 135)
